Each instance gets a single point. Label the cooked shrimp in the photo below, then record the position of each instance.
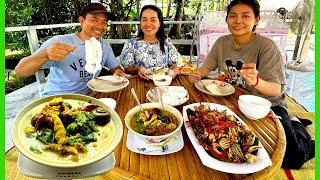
(70, 150)
(53, 147)
(59, 129)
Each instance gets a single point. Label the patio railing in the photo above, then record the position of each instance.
(34, 45)
(34, 41)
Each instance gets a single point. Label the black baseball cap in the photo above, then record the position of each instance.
(95, 8)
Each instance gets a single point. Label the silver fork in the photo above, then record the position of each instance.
(111, 82)
(204, 86)
(160, 97)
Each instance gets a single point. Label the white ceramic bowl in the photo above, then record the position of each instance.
(109, 102)
(162, 80)
(153, 139)
(254, 107)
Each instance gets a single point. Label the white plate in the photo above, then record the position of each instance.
(171, 95)
(95, 154)
(37, 170)
(222, 88)
(262, 162)
(171, 145)
(158, 71)
(105, 87)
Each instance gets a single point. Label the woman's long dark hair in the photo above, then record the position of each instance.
(160, 33)
(254, 4)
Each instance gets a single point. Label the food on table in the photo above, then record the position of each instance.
(64, 128)
(93, 50)
(223, 136)
(158, 71)
(216, 87)
(187, 68)
(174, 94)
(154, 122)
(213, 88)
(161, 80)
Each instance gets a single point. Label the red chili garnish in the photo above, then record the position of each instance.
(216, 153)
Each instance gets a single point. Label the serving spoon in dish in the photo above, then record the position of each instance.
(160, 97)
(133, 92)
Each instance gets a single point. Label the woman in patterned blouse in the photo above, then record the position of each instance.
(151, 48)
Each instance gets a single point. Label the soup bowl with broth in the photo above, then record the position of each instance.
(154, 124)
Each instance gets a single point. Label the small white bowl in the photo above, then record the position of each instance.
(254, 107)
(153, 139)
(109, 102)
(162, 80)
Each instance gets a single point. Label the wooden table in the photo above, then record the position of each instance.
(186, 164)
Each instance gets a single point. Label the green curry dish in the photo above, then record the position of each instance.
(82, 125)
(34, 119)
(84, 116)
(82, 139)
(30, 135)
(35, 150)
(65, 104)
(45, 136)
(87, 128)
(72, 129)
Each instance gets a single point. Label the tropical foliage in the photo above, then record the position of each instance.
(46, 12)
(42, 12)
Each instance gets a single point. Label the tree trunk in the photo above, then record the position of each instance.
(138, 9)
(77, 8)
(169, 7)
(113, 28)
(120, 31)
(44, 3)
(176, 28)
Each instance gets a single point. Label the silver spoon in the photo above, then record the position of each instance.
(133, 92)
(160, 97)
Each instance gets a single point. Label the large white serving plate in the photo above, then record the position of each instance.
(262, 162)
(104, 145)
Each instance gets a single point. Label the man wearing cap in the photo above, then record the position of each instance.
(65, 55)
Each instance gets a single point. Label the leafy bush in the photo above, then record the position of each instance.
(16, 82)
(36, 12)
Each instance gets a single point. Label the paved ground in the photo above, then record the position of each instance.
(14, 102)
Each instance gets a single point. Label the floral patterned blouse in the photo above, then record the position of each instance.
(141, 53)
